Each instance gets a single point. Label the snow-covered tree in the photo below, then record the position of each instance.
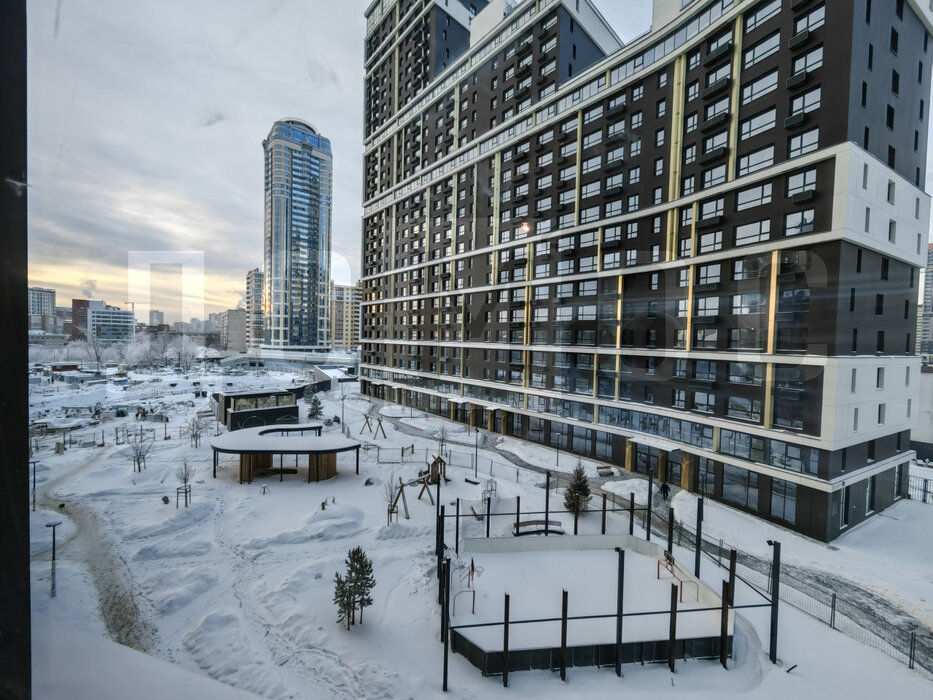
(343, 599)
(140, 444)
(577, 495)
(316, 409)
(360, 579)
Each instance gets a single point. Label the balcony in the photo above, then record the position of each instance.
(805, 196)
(796, 81)
(710, 221)
(715, 154)
(717, 53)
(616, 111)
(716, 87)
(705, 320)
(799, 39)
(714, 122)
(795, 120)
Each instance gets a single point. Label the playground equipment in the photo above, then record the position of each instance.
(367, 425)
(673, 569)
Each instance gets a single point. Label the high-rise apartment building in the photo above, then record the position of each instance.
(298, 187)
(156, 318)
(696, 254)
(254, 324)
(925, 322)
(41, 308)
(232, 326)
(345, 315)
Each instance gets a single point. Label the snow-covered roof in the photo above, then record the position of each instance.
(272, 440)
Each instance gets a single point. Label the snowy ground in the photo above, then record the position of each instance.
(237, 588)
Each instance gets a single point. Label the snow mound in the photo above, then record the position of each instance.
(173, 589)
(396, 412)
(399, 531)
(195, 513)
(335, 523)
(217, 643)
(169, 550)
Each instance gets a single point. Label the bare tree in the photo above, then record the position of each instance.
(140, 444)
(184, 473)
(443, 435)
(390, 492)
(183, 352)
(196, 426)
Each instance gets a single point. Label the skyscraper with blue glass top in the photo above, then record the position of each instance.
(298, 199)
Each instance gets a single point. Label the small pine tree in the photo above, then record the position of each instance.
(316, 409)
(360, 579)
(577, 495)
(343, 599)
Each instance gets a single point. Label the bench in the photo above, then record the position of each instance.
(536, 527)
(280, 471)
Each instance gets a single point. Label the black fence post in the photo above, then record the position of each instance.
(604, 515)
(724, 627)
(631, 514)
(488, 513)
(913, 649)
(699, 543)
(672, 638)
(732, 560)
(775, 597)
(444, 614)
(547, 502)
(457, 530)
(563, 637)
(620, 586)
(650, 499)
(505, 643)
(670, 530)
(832, 613)
(518, 514)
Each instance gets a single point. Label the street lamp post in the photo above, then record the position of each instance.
(53, 525)
(33, 463)
(476, 453)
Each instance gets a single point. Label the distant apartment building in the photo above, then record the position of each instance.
(156, 318)
(345, 316)
(110, 324)
(925, 317)
(694, 256)
(298, 204)
(41, 309)
(232, 324)
(254, 323)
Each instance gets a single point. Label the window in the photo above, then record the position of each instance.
(716, 108)
(745, 373)
(661, 108)
(743, 408)
(707, 306)
(709, 274)
(751, 303)
(807, 102)
(806, 142)
(757, 124)
(703, 401)
(637, 119)
(720, 140)
(762, 14)
(659, 137)
(764, 48)
(811, 21)
(762, 86)
(706, 338)
(721, 73)
(753, 197)
(801, 182)
(809, 61)
(714, 176)
(757, 160)
(754, 232)
(798, 222)
(783, 500)
(690, 154)
(693, 90)
(710, 242)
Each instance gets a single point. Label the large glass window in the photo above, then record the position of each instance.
(740, 486)
(783, 500)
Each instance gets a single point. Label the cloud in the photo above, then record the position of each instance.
(212, 119)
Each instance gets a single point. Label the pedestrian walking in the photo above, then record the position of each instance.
(665, 490)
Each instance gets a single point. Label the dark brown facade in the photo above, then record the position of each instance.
(677, 257)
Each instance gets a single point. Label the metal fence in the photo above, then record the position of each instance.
(920, 489)
(859, 614)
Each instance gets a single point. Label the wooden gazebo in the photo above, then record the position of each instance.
(257, 448)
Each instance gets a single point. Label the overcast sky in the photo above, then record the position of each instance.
(146, 122)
